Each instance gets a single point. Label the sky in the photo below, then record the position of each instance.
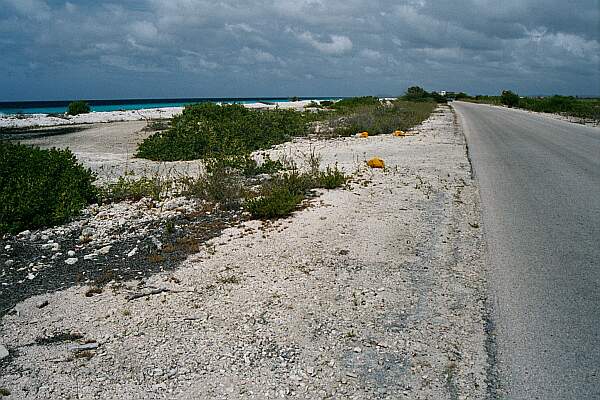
(90, 49)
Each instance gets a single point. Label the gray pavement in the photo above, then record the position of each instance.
(540, 190)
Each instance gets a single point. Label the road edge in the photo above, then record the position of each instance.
(492, 379)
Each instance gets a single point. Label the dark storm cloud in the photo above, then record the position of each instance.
(147, 48)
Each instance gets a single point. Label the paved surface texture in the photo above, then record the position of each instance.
(540, 189)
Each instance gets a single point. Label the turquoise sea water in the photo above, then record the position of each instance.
(59, 107)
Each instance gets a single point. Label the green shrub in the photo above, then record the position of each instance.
(281, 196)
(509, 98)
(40, 188)
(438, 98)
(416, 93)
(331, 178)
(133, 189)
(268, 166)
(207, 129)
(355, 102)
(278, 203)
(78, 107)
(221, 184)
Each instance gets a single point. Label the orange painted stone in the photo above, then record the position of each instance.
(376, 162)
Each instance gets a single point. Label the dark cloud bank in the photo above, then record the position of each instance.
(205, 48)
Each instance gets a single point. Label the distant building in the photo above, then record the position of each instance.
(443, 92)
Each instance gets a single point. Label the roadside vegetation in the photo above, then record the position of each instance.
(381, 119)
(587, 109)
(40, 188)
(206, 129)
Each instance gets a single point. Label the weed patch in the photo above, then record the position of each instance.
(279, 202)
(282, 196)
(134, 189)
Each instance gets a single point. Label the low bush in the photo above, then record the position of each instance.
(509, 98)
(418, 94)
(207, 129)
(355, 102)
(278, 203)
(78, 107)
(41, 188)
(268, 166)
(222, 184)
(331, 178)
(134, 189)
(281, 196)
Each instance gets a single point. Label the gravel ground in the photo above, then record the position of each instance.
(375, 291)
(121, 241)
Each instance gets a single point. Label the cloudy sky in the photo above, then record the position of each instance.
(52, 49)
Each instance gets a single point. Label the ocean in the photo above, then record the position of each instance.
(59, 107)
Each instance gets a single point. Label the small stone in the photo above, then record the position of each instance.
(71, 253)
(55, 247)
(3, 352)
(87, 232)
(84, 347)
(30, 276)
(9, 263)
(89, 257)
(104, 250)
(42, 304)
(25, 233)
(7, 247)
(71, 261)
(357, 349)
(171, 205)
(132, 252)
(156, 242)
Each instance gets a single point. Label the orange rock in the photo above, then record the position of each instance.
(399, 133)
(362, 135)
(376, 162)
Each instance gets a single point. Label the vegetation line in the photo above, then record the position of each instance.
(40, 188)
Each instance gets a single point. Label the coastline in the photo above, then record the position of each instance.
(18, 121)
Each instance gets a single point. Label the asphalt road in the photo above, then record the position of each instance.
(540, 191)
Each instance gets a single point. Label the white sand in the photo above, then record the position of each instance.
(38, 120)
